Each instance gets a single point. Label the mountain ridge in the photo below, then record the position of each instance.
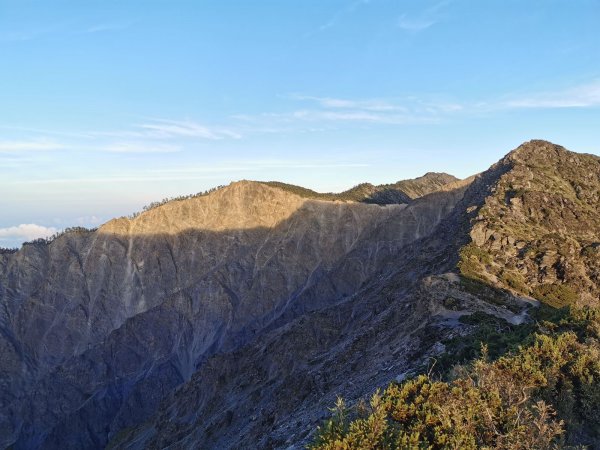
(265, 323)
(403, 191)
(141, 272)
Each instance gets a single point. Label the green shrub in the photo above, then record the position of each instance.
(591, 251)
(555, 295)
(497, 335)
(489, 407)
(471, 259)
(542, 395)
(515, 280)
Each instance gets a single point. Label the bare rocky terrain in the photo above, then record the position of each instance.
(234, 319)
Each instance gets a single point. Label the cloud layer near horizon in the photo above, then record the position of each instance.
(16, 235)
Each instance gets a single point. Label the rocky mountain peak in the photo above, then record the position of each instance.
(423, 185)
(540, 153)
(536, 148)
(537, 230)
(445, 177)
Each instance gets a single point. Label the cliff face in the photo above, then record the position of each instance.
(233, 320)
(105, 324)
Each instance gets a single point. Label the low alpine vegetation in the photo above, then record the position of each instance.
(541, 396)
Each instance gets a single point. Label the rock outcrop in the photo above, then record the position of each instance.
(538, 233)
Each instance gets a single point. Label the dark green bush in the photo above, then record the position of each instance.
(555, 295)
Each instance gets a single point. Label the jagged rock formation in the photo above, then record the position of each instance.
(233, 320)
(539, 233)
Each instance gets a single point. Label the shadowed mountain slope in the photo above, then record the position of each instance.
(143, 302)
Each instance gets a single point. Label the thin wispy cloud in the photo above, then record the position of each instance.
(429, 109)
(24, 34)
(582, 96)
(412, 105)
(397, 111)
(350, 8)
(47, 145)
(12, 163)
(139, 147)
(304, 114)
(34, 145)
(422, 20)
(253, 165)
(438, 7)
(358, 116)
(298, 120)
(414, 25)
(153, 136)
(216, 170)
(49, 132)
(161, 128)
(60, 29)
(367, 105)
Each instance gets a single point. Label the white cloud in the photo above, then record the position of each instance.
(318, 113)
(191, 173)
(359, 116)
(350, 8)
(332, 111)
(154, 136)
(20, 147)
(140, 147)
(582, 96)
(161, 128)
(254, 165)
(64, 29)
(431, 109)
(415, 24)
(422, 20)
(29, 145)
(25, 232)
(368, 105)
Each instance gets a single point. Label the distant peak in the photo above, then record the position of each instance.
(438, 174)
(540, 153)
(536, 148)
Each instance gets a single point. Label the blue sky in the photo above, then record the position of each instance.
(109, 105)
